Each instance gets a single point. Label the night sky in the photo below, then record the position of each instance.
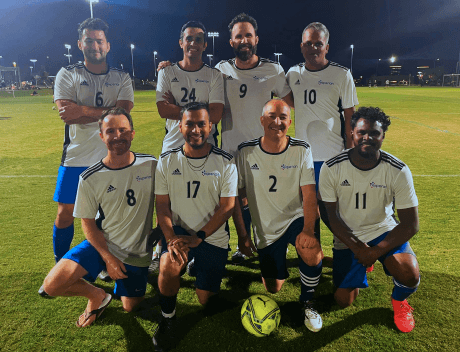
(416, 32)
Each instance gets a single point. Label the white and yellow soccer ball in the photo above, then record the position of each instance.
(260, 315)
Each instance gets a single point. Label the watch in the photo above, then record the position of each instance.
(201, 234)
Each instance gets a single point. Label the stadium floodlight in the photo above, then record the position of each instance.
(68, 47)
(155, 62)
(210, 58)
(213, 35)
(33, 61)
(278, 56)
(392, 59)
(351, 61)
(132, 57)
(437, 60)
(122, 66)
(91, 6)
(377, 68)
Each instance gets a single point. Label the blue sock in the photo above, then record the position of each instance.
(247, 219)
(62, 238)
(401, 292)
(168, 304)
(309, 279)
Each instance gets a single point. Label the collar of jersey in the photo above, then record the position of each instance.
(281, 152)
(180, 68)
(378, 161)
(327, 65)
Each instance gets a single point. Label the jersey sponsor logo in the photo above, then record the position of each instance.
(261, 79)
(201, 81)
(174, 80)
(298, 82)
(214, 173)
(255, 167)
(111, 189)
(139, 179)
(176, 172)
(345, 183)
(107, 84)
(286, 167)
(322, 82)
(374, 185)
(84, 83)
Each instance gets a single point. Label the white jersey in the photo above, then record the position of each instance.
(272, 183)
(366, 198)
(319, 99)
(204, 85)
(194, 195)
(122, 201)
(82, 144)
(246, 93)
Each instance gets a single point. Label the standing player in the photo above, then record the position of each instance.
(360, 188)
(189, 80)
(324, 96)
(195, 187)
(82, 92)
(250, 81)
(119, 191)
(275, 173)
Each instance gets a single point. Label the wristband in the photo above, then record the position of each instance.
(201, 234)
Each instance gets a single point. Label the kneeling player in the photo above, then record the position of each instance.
(120, 189)
(360, 188)
(276, 174)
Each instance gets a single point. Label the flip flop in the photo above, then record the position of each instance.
(96, 312)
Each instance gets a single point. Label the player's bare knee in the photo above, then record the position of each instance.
(345, 298)
(311, 256)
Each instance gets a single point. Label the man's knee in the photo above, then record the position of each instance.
(345, 297)
(131, 303)
(404, 268)
(273, 285)
(311, 256)
(64, 216)
(62, 276)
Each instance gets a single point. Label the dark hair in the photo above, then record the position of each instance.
(194, 107)
(319, 27)
(116, 111)
(93, 24)
(371, 114)
(192, 24)
(242, 17)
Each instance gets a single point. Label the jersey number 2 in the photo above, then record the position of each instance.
(272, 188)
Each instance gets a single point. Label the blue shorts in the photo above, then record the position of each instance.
(272, 258)
(67, 184)
(317, 165)
(347, 272)
(89, 258)
(209, 263)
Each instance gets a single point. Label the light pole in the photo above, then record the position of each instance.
(31, 67)
(132, 58)
(68, 47)
(121, 66)
(435, 62)
(33, 61)
(377, 68)
(155, 62)
(210, 58)
(278, 56)
(213, 35)
(351, 65)
(91, 6)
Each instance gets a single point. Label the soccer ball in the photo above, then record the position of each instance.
(260, 315)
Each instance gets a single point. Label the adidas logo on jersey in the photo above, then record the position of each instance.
(254, 167)
(229, 78)
(345, 183)
(111, 189)
(84, 83)
(176, 172)
(298, 82)
(174, 80)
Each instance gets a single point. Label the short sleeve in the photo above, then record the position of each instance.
(307, 171)
(216, 95)
(64, 87)
(86, 204)
(161, 183)
(348, 94)
(240, 169)
(404, 191)
(327, 189)
(126, 91)
(230, 180)
(163, 84)
(281, 87)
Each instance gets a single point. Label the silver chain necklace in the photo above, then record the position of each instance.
(199, 167)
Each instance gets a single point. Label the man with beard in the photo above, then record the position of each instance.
(360, 188)
(275, 173)
(189, 80)
(82, 92)
(195, 187)
(115, 203)
(250, 81)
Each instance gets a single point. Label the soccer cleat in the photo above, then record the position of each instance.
(370, 269)
(238, 257)
(41, 292)
(154, 266)
(164, 338)
(312, 319)
(104, 276)
(403, 317)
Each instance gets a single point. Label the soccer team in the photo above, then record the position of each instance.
(266, 180)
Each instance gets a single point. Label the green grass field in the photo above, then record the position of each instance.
(425, 134)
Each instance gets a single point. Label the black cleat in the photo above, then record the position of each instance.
(164, 338)
(41, 292)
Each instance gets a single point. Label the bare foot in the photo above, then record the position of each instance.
(93, 304)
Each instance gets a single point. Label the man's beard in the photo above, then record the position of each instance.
(245, 55)
(121, 149)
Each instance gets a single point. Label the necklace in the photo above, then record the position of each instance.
(199, 167)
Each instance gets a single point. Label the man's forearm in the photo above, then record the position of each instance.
(168, 111)
(221, 215)
(95, 237)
